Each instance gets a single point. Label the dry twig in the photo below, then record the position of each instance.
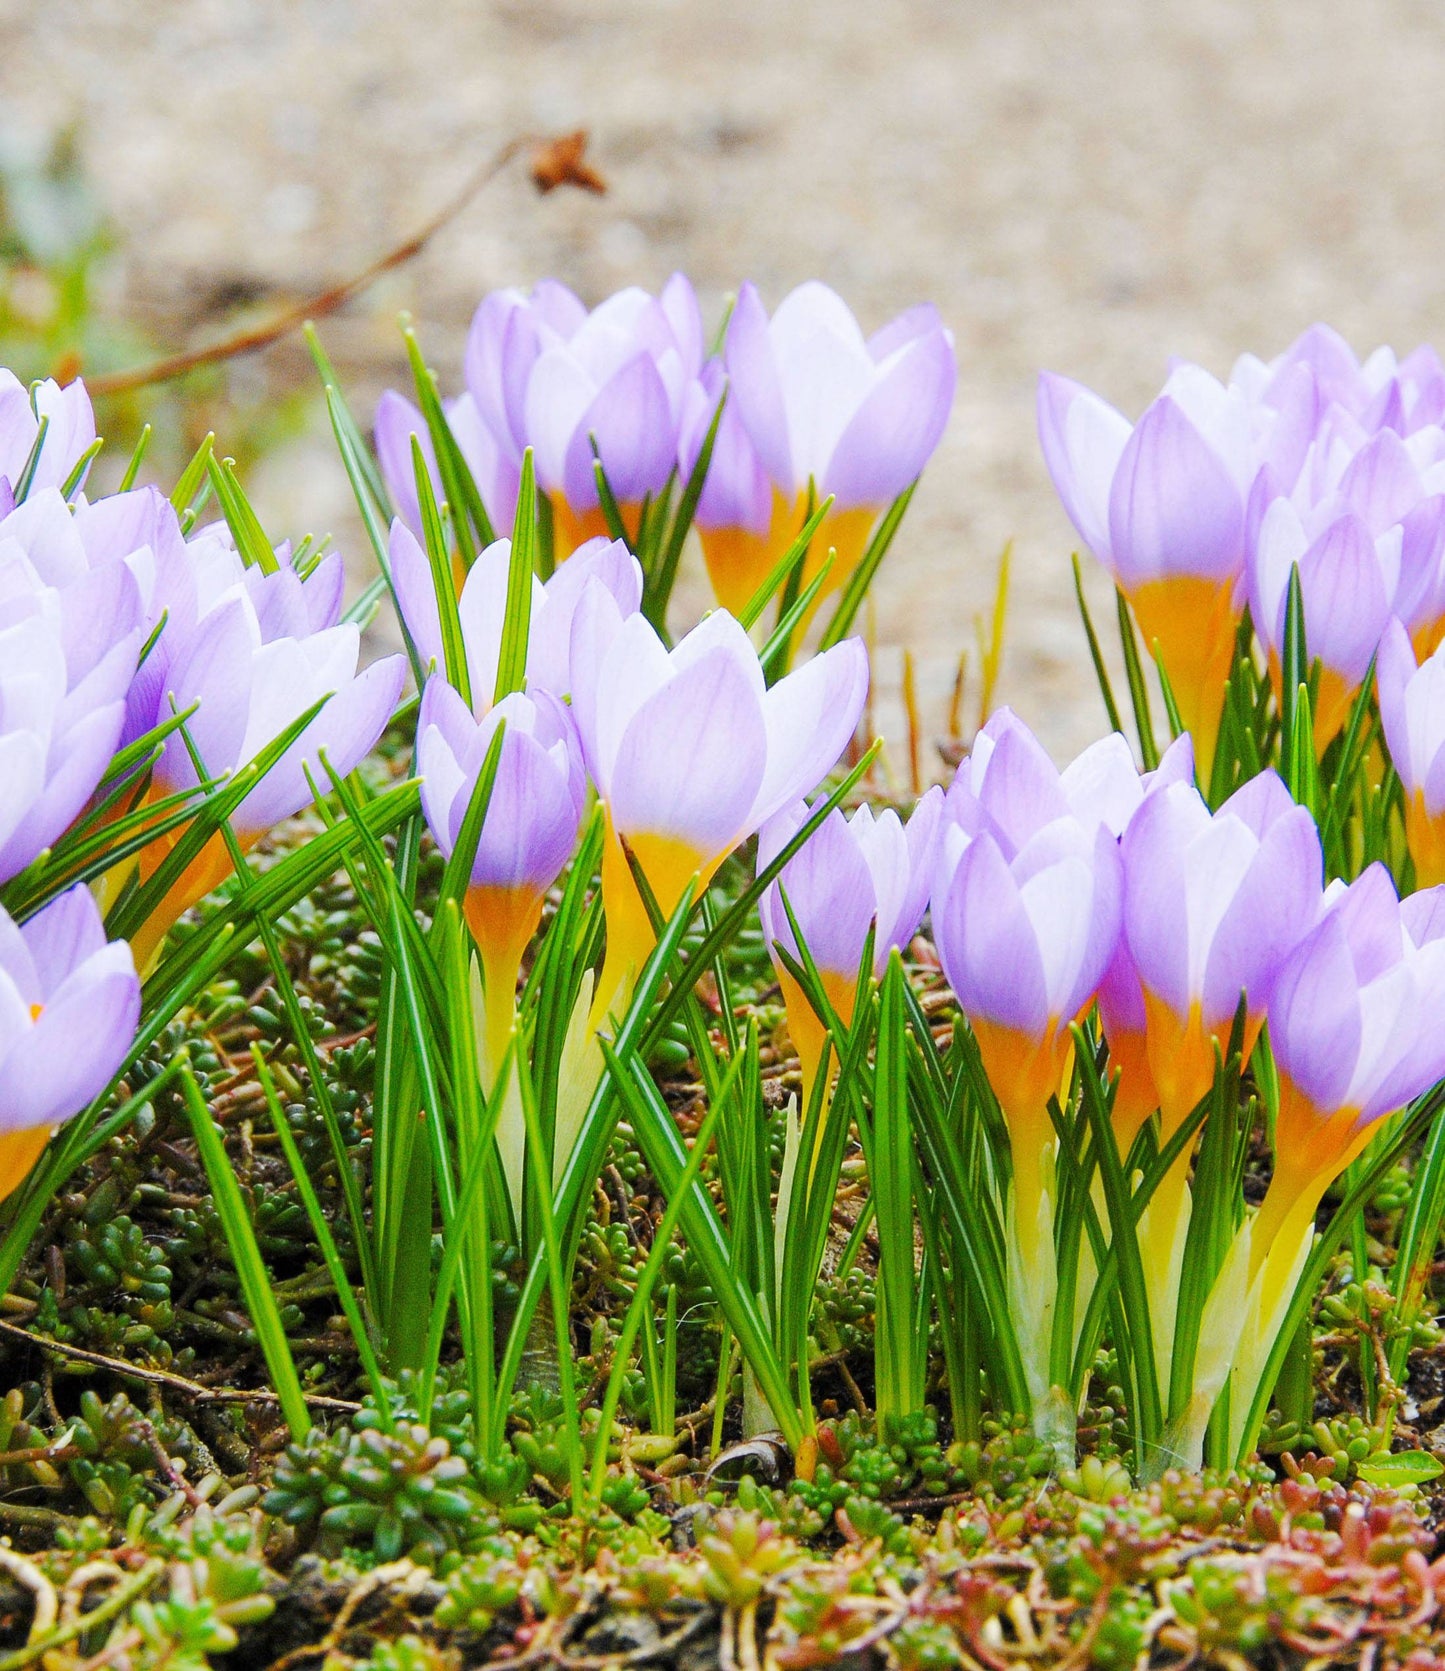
(556, 160)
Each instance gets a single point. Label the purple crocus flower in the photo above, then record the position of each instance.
(853, 874)
(831, 411)
(493, 469)
(549, 375)
(1355, 1024)
(1212, 903)
(1367, 532)
(69, 432)
(530, 829)
(70, 635)
(482, 608)
(69, 1003)
(1024, 940)
(1412, 708)
(691, 751)
(536, 804)
(1161, 504)
(252, 651)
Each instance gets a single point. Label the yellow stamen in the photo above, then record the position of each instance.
(1193, 620)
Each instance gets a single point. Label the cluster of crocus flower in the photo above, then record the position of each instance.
(1354, 1024)
(688, 749)
(245, 651)
(1310, 462)
(112, 623)
(813, 409)
(1053, 892)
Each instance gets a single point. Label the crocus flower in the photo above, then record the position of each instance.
(69, 431)
(743, 522)
(560, 376)
(1412, 708)
(1357, 1027)
(850, 876)
(527, 837)
(1212, 904)
(1104, 787)
(1024, 940)
(252, 651)
(1367, 537)
(69, 1003)
(482, 608)
(493, 469)
(691, 752)
(1162, 505)
(68, 650)
(1383, 392)
(831, 411)
(1024, 943)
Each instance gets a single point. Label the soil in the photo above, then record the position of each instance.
(1089, 188)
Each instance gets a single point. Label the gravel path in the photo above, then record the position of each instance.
(1090, 187)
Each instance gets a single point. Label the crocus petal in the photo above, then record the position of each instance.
(75, 1047)
(1315, 1017)
(689, 762)
(345, 731)
(62, 936)
(757, 394)
(1083, 439)
(896, 428)
(397, 420)
(631, 418)
(1174, 507)
(810, 715)
(415, 595)
(988, 945)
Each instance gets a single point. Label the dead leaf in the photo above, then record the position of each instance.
(563, 162)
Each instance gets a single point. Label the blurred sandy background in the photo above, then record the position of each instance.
(1090, 187)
